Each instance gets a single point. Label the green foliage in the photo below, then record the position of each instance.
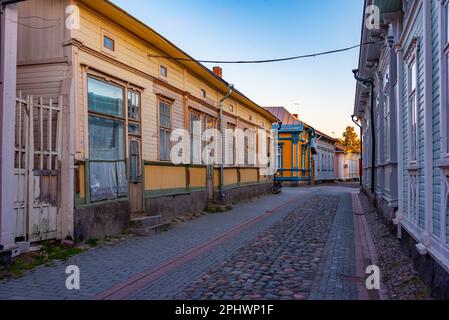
(45, 256)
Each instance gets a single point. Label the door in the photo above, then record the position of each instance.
(135, 177)
(37, 162)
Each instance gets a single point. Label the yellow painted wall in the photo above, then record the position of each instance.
(288, 156)
(82, 180)
(164, 177)
(248, 175)
(197, 177)
(231, 177)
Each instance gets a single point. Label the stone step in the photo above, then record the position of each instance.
(218, 206)
(145, 222)
(145, 231)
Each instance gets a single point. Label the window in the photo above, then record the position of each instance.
(163, 71)
(165, 124)
(108, 43)
(444, 45)
(203, 93)
(280, 156)
(231, 108)
(133, 105)
(208, 137)
(387, 127)
(230, 144)
(195, 138)
(413, 111)
(105, 98)
(251, 148)
(107, 167)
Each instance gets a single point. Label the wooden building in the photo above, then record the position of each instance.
(295, 147)
(121, 100)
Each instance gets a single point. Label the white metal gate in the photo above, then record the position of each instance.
(37, 162)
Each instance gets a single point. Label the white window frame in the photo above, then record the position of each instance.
(387, 118)
(413, 96)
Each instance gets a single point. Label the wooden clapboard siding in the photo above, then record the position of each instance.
(43, 80)
(38, 38)
(436, 188)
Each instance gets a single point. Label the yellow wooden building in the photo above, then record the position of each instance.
(122, 98)
(295, 147)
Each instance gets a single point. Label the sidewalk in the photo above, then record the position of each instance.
(105, 266)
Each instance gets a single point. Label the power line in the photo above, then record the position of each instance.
(313, 55)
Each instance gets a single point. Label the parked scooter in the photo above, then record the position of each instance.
(277, 185)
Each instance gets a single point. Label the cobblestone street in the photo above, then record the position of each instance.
(295, 246)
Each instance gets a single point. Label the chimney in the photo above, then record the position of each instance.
(218, 71)
(296, 116)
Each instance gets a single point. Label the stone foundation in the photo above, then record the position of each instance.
(170, 207)
(235, 195)
(99, 221)
(429, 270)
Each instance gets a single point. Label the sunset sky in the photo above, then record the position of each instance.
(321, 90)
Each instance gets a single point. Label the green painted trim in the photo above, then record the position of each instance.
(166, 192)
(79, 202)
(193, 189)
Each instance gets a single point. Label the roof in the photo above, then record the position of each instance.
(146, 33)
(284, 116)
(288, 119)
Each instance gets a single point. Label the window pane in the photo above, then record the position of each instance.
(133, 128)
(108, 43)
(164, 115)
(103, 181)
(121, 179)
(133, 105)
(413, 75)
(105, 98)
(106, 139)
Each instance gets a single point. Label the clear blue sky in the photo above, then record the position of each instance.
(321, 90)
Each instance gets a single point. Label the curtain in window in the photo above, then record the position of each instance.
(105, 98)
(107, 154)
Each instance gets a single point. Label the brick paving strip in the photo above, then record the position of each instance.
(142, 280)
(279, 263)
(366, 254)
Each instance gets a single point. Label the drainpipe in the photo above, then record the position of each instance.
(361, 147)
(230, 90)
(370, 82)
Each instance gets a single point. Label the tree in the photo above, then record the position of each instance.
(350, 140)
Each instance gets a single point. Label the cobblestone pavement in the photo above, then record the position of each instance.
(280, 263)
(106, 265)
(297, 245)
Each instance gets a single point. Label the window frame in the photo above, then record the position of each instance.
(167, 130)
(105, 34)
(163, 67)
(101, 115)
(413, 102)
(231, 145)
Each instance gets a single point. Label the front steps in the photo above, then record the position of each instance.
(143, 226)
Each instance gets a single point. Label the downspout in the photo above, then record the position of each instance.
(370, 82)
(230, 90)
(361, 148)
